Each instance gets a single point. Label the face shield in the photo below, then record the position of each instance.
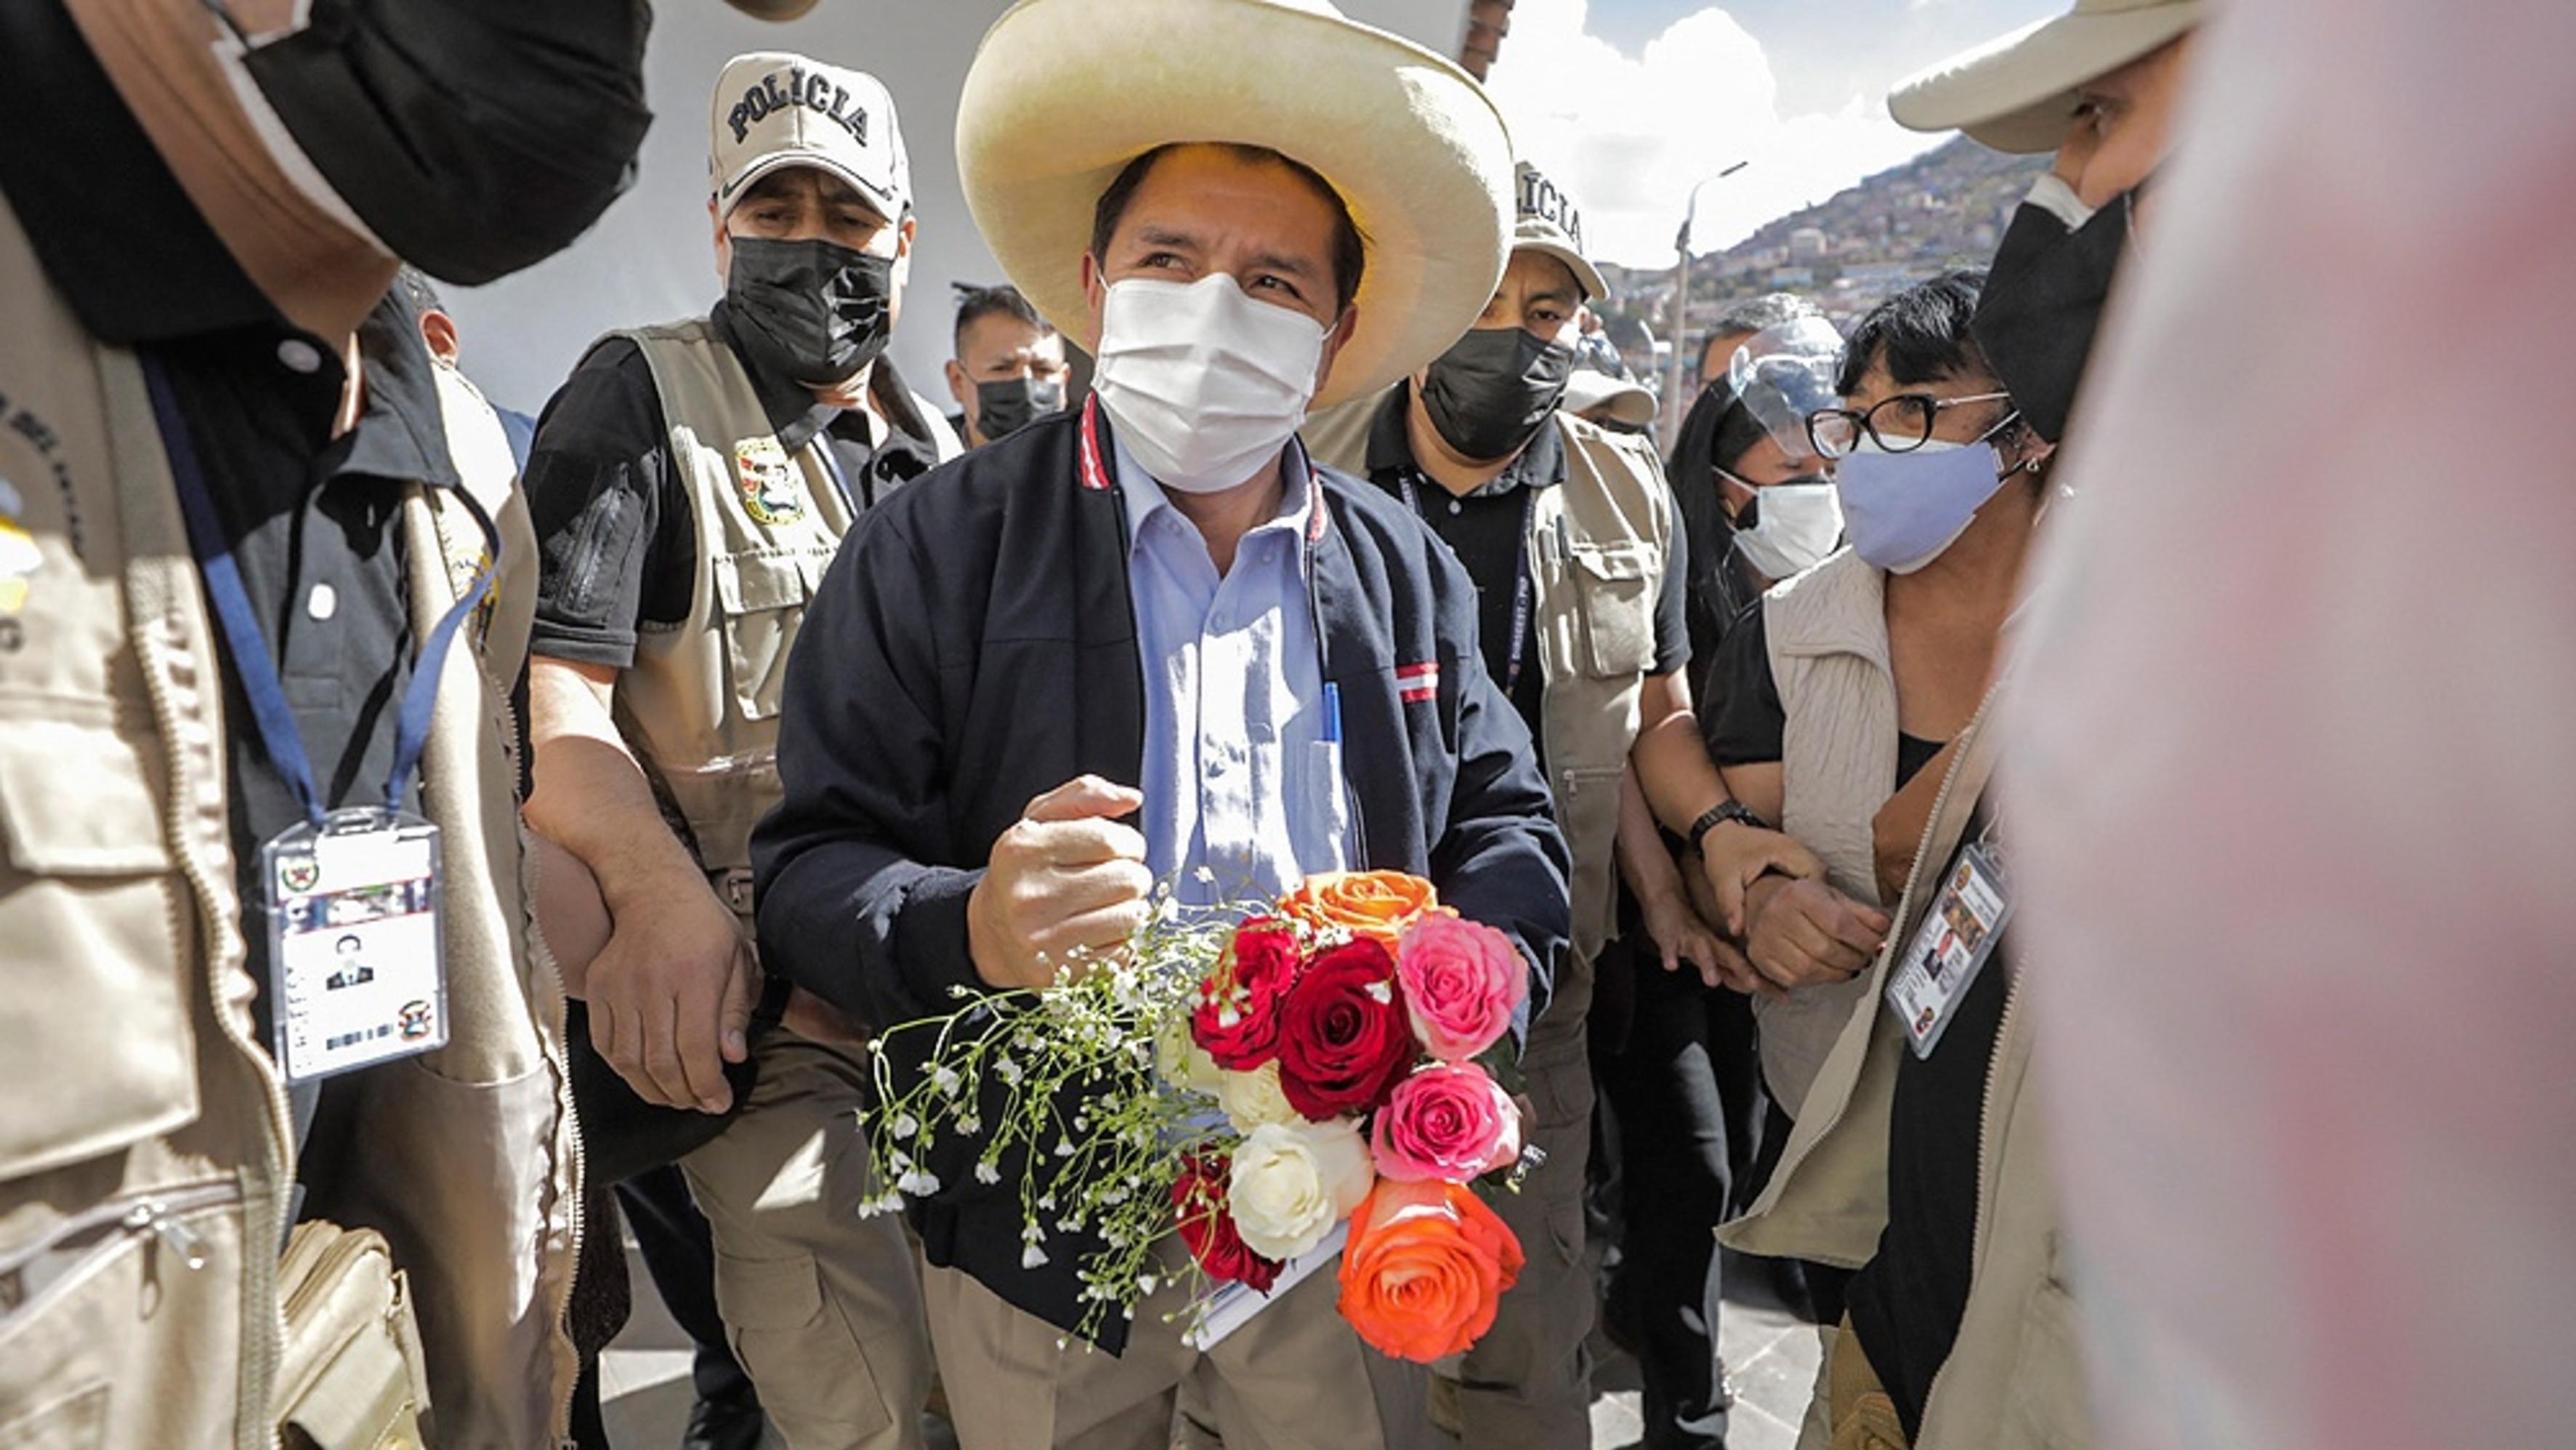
(1782, 374)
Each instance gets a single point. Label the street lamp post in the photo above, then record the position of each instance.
(1679, 322)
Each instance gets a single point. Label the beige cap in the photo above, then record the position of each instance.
(1548, 221)
(2017, 92)
(1618, 399)
(773, 109)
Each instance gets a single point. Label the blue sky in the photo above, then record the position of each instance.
(1627, 102)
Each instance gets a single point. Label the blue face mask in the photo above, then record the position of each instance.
(1902, 509)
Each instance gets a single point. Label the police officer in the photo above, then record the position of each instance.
(689, 484)
(1009, 369)
(237, 502)
(1568, 531)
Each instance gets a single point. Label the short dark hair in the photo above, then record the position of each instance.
(1350, 249)
(974, 304)
(1920, 334)
(414, 289)
(1756, 314)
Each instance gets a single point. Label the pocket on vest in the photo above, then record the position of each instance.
(762, 598)
(98, 1028)
(1615, 590)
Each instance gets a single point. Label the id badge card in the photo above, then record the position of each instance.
(356, 967)
(1951, 946)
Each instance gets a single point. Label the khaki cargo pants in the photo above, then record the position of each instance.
(823, 1307)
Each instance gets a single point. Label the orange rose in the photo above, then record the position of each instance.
(1424, 1269)
(1377, 904)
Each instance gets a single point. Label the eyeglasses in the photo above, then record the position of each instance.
(1898, 425)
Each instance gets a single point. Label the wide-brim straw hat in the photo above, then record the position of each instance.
(1064, 93)
(2017, 92)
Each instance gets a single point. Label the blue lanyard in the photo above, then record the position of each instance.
(1522, 590)
(822, 443)
(275, 719)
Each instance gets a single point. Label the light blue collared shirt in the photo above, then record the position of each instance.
(1242, 776)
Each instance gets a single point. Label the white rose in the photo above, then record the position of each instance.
(1253, 1098)
(1293, 1181)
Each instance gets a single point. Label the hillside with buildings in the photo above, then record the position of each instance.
(1946, 208)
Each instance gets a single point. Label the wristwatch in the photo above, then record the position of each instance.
(1729, 809)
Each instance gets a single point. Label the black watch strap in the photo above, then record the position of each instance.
(1729, 809)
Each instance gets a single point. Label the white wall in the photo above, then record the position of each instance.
(650, 258)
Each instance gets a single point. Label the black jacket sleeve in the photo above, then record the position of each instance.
(1498, 857)
(847, 908)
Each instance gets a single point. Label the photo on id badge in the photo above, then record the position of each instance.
(1950, 946)
(356, 951)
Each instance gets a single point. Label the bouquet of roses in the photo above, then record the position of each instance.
(1254, 1087)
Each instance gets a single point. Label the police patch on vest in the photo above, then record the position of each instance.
(767, 481)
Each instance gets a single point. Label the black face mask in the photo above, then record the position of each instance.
(1492, 390)
(2042, 303)
(812, 312)
(472, 140)
(1004, 406)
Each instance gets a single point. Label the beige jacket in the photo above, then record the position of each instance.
(2015, 1379)
(1596, 550)
(1827, 634)
(144, 1144)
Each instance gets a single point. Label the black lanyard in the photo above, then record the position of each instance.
(1524, 593)
(275, 718)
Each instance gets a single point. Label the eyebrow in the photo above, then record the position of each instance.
(1283, 262)
(1154, 236)
(1557, 295)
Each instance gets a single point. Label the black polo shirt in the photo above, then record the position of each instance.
(1486, 529)
(616, 536)
(315, 526)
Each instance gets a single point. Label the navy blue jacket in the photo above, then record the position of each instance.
(974, 646)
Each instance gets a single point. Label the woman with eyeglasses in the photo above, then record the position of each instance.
(1836, 694)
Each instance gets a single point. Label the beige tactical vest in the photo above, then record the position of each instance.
(1827, 632)
(144, 1143)
(1596, 551)
(700, 703)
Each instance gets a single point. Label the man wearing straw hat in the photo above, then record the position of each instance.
(1151, 608)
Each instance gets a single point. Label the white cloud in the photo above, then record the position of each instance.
(1628, 137)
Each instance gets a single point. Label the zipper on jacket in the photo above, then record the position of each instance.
(1986, 1144)
(549, 975)
(158, 1215)
(264, 1350)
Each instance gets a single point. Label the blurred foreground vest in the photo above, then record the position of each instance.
(144, 1142)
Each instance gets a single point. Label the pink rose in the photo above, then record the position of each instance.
(1450, 1122)
(1462, 981)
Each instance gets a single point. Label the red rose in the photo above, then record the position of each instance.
(1237, 1016)
(1206, 1222)
(1344, 1042)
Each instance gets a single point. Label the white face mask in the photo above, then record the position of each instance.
(1795, 526)
(1204, 384)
